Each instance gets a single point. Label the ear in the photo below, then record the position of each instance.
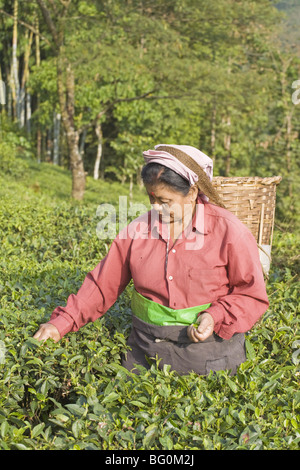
(193, 193)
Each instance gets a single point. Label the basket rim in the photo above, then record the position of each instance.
(268, 180)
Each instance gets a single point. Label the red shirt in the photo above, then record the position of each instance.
(216, 260)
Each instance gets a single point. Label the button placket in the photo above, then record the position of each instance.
(171, 277)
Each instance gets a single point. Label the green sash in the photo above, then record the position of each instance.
(156, 314)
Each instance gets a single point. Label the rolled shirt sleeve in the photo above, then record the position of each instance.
(247, 300)
(99, 291)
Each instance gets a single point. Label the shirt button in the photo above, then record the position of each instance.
(170, 278)
(173, 251)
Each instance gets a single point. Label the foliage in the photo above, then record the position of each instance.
(75, 394)
(148, 73)
(15, 150)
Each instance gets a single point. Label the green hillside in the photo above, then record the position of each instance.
(45, 181)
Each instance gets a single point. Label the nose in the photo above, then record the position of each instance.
(157, 207)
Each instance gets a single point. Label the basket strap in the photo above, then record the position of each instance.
(203, 182)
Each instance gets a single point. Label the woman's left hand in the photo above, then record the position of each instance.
(204, 330)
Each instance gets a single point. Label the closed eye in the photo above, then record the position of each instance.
(159, 201)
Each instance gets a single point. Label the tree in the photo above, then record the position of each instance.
(55, 16)
(127, 74)
(88, 87)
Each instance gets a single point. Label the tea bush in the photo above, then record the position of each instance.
(75, 394)
(15, 149)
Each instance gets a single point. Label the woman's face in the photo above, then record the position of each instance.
(172, 205)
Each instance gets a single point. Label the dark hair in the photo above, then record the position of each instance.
(154, 173)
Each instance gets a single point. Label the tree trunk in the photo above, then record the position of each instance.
(56, 133)
(9, 99)
(38, 63)
(39, 139)
(2, 92)
(28, 113)
(213, 132)
(15, 87)
(66, 90)
(139, 179)
(49, 145)
(82, 142)
(21, 107)
(130, 188)
(227, 145)
(23, 103)
(99, 135)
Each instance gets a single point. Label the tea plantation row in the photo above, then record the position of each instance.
(75, 395)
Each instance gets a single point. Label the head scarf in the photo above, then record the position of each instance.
(167, 159)
(199, 170)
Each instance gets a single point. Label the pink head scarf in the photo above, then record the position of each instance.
(168, 160)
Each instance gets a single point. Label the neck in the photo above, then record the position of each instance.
(178, 227)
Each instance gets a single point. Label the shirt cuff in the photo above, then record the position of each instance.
(63, 325)
(217, 313)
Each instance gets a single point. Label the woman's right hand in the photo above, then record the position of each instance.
(46, 331)
(203, 330)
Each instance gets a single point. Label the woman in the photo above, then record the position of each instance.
(198, 281)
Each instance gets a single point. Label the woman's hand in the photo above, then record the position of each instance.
(204, 330)
(46, 331)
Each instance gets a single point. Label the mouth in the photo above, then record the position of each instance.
(165, 216)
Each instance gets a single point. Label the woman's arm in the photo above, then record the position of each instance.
(99, 291)
(247, 301)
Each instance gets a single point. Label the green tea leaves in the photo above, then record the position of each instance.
(76, 395)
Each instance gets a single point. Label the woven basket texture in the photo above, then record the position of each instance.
(252, 200)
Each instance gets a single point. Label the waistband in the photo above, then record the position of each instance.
(157, 314)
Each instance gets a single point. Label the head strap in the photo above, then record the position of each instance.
(203, 183)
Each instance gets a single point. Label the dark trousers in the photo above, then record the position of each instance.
(172, 345)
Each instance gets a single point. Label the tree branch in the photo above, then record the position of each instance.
(122, 100)
(49, 22)
(147, 96)
(109, 107)
(28, 26)
(65, 3)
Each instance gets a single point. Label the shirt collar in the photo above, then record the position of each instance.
(200, 220)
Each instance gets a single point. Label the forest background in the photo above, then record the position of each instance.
(91, 84)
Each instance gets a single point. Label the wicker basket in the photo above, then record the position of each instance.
(252, 200)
